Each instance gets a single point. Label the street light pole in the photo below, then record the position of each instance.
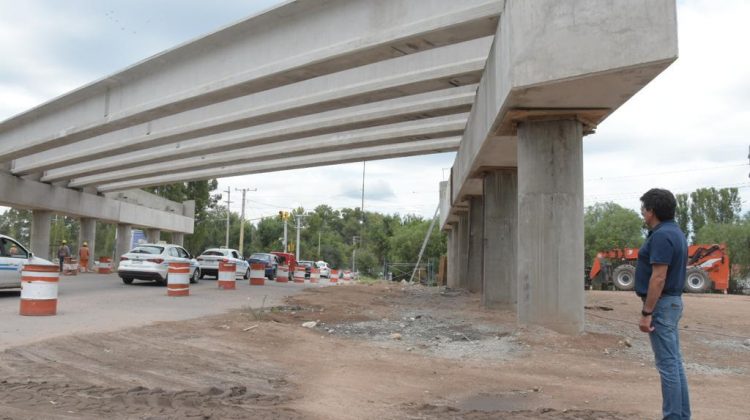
(242, 219)
(226, 242)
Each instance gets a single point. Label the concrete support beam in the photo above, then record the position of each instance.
(28, 194)
(436, 70)
(462, 234)
(475, 269)
(500, 238)
(428, 105)
(153, 235)
(260, 53)
(452, 272)
(40, 233)
(550, 224)
(394, 134)
(178, 238)
(122, 246)
(87, 233)
(418, 147)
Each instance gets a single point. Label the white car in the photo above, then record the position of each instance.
(208, 262)
(151, 262)
(325, 271)
(13, 256)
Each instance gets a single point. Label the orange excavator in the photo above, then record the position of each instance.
(707, 269)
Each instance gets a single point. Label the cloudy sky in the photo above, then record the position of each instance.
(689, 128)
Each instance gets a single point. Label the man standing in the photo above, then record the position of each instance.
(659, 280)
(62, 252)
(83, 256)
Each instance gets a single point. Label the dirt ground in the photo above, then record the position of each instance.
(383, 351)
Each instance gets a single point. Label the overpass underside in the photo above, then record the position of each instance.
(511, 85)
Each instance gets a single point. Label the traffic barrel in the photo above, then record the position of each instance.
(105, 265)
(334, 276)
(257, 274)
(70, 266)
(299, 274)
(39, 289)
(347, 276)
(282, 274)
(178, 279)
(315, 275)
(227, 277)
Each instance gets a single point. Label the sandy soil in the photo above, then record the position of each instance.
(385, 351)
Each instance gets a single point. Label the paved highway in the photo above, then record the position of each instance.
(99, 303)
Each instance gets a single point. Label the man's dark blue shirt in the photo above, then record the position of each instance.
(665, 244)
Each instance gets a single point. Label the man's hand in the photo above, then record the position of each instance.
(645, 324)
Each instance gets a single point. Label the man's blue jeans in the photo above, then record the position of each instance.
(665, 341)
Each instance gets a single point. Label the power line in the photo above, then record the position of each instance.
(667, 172)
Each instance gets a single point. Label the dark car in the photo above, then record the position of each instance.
(269, 260)
(308, 267)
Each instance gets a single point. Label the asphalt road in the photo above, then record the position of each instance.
(98, 303)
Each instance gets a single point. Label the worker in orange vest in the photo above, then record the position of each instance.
(83, 255)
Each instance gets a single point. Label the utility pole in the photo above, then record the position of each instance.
(362, 207)
(242, 219)
(299, 227)
(229, 191)
(285, 240)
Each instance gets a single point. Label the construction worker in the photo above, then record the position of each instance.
(62, 252)
(83, 255)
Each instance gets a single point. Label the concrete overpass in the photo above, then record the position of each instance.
(512, 85)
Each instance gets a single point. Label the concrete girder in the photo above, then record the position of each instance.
(28, 194)
(357, 155)
(415, 107)
(437, 69)
(558, 60)
(432, 128)
(260, 53)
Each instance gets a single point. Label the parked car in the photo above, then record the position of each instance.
(270, 261)
(13, 256)
(151, 262)
(208, 262)
(325, 271)
(308, 267)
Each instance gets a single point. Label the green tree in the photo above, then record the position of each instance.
(610, 226)
(711, 205)
(16, 223)
(682, 213)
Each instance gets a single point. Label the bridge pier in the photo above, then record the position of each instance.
(87, 233)
(476, 244)
(124, 234)
(550, 224)
(500, 238)
(40, 233)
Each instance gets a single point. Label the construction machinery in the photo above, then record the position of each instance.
(707, 269)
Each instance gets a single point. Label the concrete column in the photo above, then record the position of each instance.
(550, 225)
(462, 234)
(452, 272)
(88, 234)
(178, 238)
(153, 235)
(122, 246)
(476, 254)
(40, 233)
(500, 238)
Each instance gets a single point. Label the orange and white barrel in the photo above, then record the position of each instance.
(299, 274)
(39, 289)
(178, 279)
(347, 276)
(105, 265)
(70, 266)
(334, 276)
(257, 274)
(282, 274)
(315, 275)
(227, 277)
